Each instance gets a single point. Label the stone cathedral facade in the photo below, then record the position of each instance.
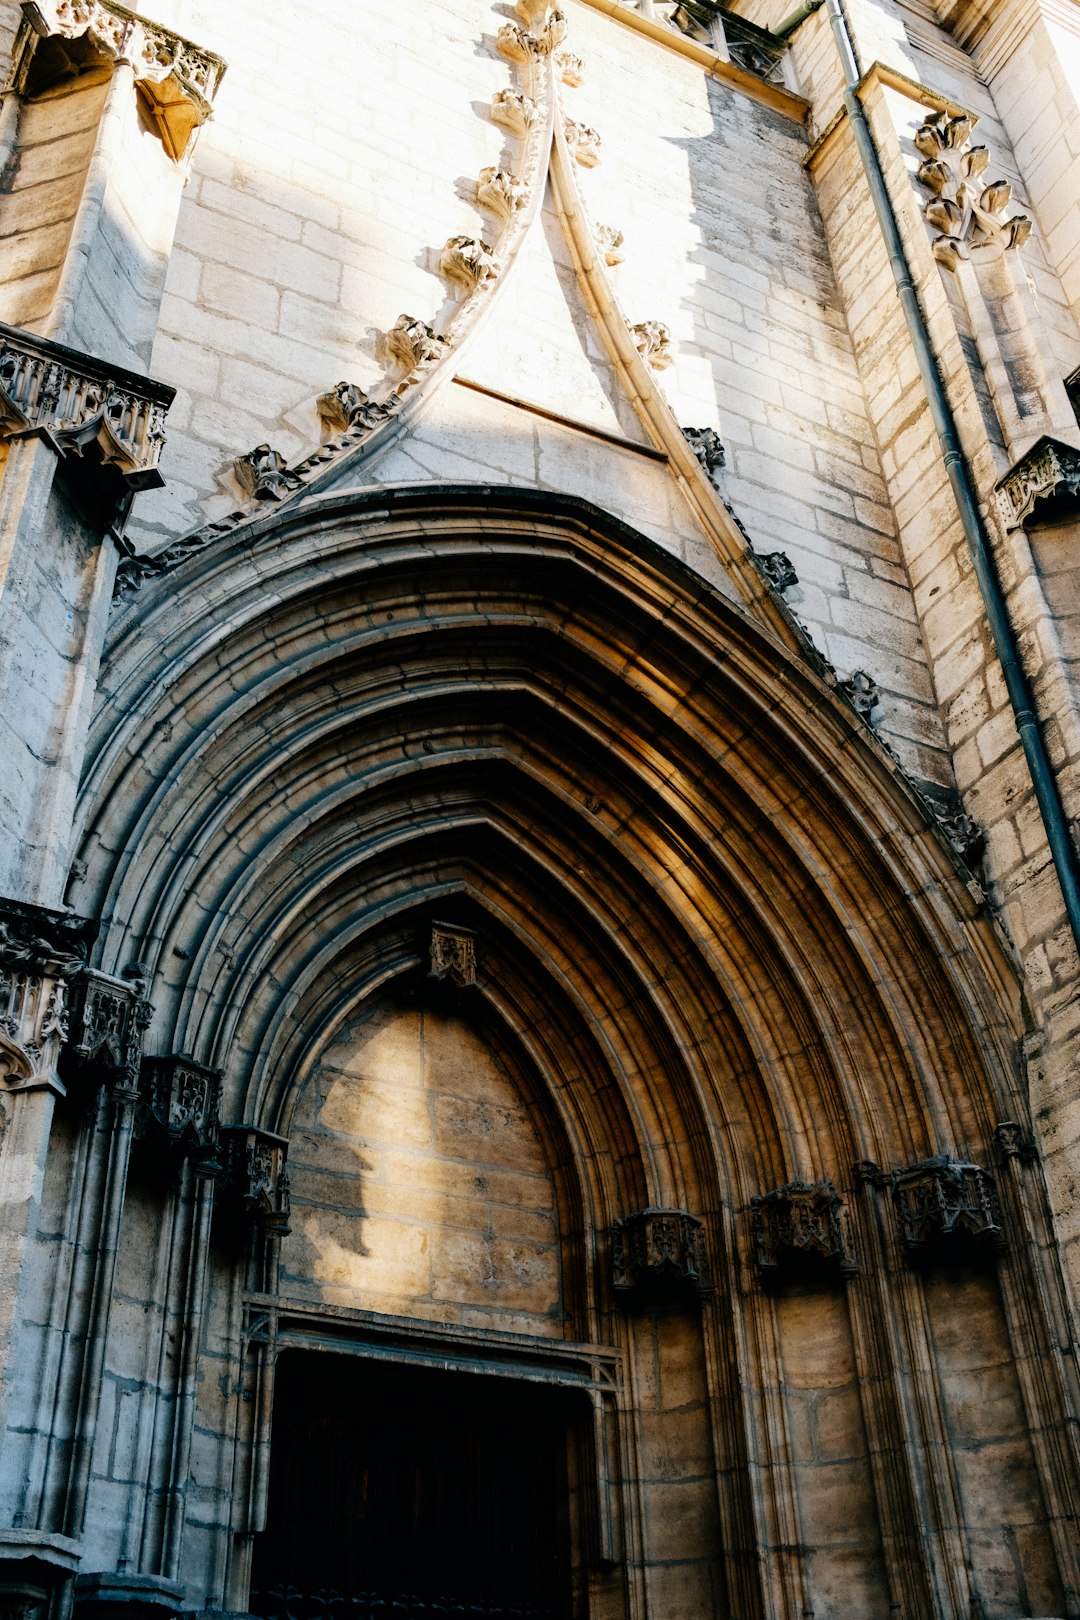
(539, 894)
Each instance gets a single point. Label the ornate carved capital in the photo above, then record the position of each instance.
(657, 1248)
(182, 1109)
(1048, 476)
(107, 1021)
(39, 950)
(176, 79)
(965, 210)
(800, 1227)
(109, 419)
(453, 954)
(941, 1200)
(255, 1178)
(652, 340)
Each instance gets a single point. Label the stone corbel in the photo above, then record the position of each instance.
(798, 1229)
(942, 1201)
(108, 1018)
(1048, 477)
(40, 950)
(254, 1177)
(657, 1250)
(109, 422)
(176, 80)
(181, 1110)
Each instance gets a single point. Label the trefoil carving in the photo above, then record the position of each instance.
(467, 262)
(799, 1228)
(413, 344)
(967, 211)
(1048, 477)
(453, 954)
(652, 340)
(263, 474)
(657, 1249)
(182, 1109)
(513, 111)
(941, 1200)
(584, 143)
(500, 192)
(254, 1177)
(707, 447)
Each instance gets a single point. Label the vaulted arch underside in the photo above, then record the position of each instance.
(720, 945)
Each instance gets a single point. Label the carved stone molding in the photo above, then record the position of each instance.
(862, 692)
(800, 1228)
(965, 210)
(706, 445)
(39, 951)
(110, 420)
(107, 1022)
(453, 954)
(657, 1248)
(652, 340)
(467, 262)
(176, 78)
(1047, 477)
(182, 1109)
(513, 111)
(584, 143)
(500, 192)
(254, 1177)
(610, 240)
(345, 406)
(413, 344)
(263, 474)
(941, 1200)
(571, 69)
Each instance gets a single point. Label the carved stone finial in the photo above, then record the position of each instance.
(453, 954)
(467, 262)
(776, 569)
(652, 340)
(345, 406)
(263, 474)
(254, 1177)
(413, 344)
(657, 1248)
(583, 142)
(1047, 477)
(610, 241)
(181, 1109)
(706, 445)
(500, 192)
(967, 212)
(513, 111)
(941, 1200)
(863, 693)
(799, 1228)
(571, 68)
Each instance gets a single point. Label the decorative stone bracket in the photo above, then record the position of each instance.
(657, 1249)
(941, 1200)
(107, 1021)
(1048, 477)
(182, 1109)
(110, 420)
(799, 1228)
(453, 954)
(176, 79)
(39, 950)
(967, 212)
(254, 1177)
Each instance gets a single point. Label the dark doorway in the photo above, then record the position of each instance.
(399, 1490)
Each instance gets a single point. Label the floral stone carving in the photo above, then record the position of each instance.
(706, 445)
(800, 1227)
(412, 344)
(1048, 477)
(500, 192)
(570, 68)
(610, 241)
(181, 1109)
(467, 262)
(777, 569)
(967, 211)
(583, 142)
(657, 1248)
(652, 340)
(263, 474)
(941, 1200)
(453, 954)
(346, 406)
(513, 111)
(862, 692)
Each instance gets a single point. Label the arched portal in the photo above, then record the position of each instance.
(596, 969)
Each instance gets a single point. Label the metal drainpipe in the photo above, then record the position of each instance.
(1016, 682)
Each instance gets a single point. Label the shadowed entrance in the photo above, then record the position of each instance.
(403, 1489)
